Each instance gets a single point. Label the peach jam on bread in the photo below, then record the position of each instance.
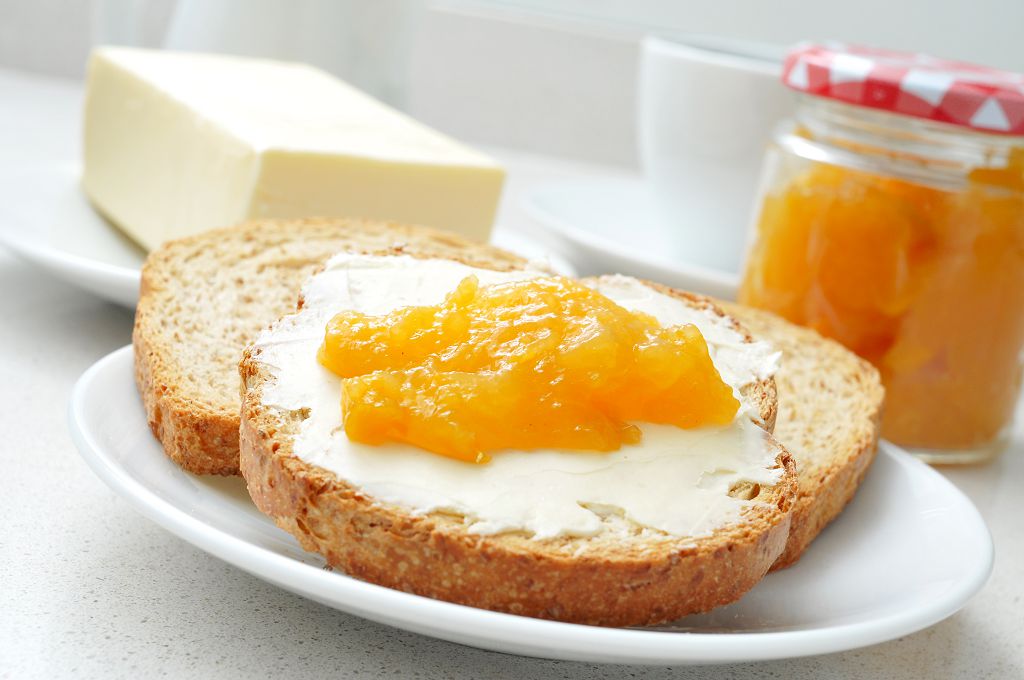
(540, 363)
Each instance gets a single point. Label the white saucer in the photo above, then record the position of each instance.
(908, 551)
(46, 219)
(610, 225)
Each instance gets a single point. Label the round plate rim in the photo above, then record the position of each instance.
(508, 632)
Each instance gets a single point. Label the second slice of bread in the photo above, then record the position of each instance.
(830, 403)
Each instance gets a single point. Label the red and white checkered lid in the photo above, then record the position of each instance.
(971, 96)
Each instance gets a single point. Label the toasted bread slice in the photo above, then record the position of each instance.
(830, 403)
(203, 298)
(635, 576)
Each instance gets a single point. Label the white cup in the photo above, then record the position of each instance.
(706, 111)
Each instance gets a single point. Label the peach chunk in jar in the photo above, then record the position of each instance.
(926, 283)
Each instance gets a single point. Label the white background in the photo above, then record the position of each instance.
(556, 76)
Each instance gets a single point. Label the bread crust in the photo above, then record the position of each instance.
(436, 557)
(200, 439)
(196, 424)
(815, 509)
(831, 457)
(606, 580)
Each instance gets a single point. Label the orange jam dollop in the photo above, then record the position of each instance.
(540, 363)
(926, 283)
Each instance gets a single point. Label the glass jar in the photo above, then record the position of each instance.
(903, 239)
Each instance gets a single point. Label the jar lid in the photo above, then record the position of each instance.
(955, 92)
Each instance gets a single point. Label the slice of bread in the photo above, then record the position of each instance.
(830, 402)
(203, 298)
(628, 575)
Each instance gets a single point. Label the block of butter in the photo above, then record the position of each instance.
(176, 143)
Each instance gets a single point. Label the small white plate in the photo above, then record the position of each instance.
(909, 551)
(610, 225)
(46, 219)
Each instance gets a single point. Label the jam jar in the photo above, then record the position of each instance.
(891, 219)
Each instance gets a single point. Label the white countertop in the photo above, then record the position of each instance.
(90, 588)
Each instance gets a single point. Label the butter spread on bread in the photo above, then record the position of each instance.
(674, 480)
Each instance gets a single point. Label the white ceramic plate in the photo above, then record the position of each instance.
(609, 225)
(46, 219)
(909, 551)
